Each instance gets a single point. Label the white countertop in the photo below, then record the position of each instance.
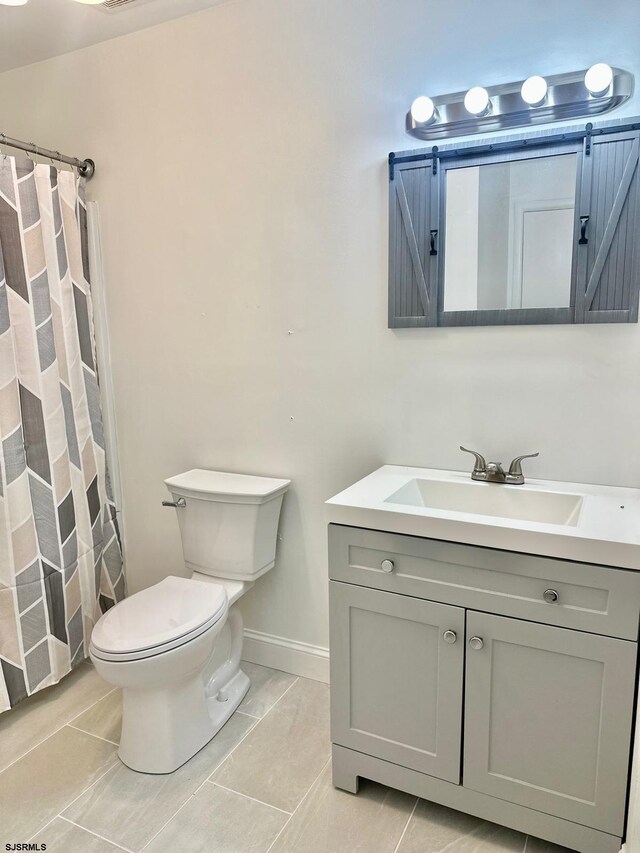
(607, 530)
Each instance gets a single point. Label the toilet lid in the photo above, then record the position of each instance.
(167, 611)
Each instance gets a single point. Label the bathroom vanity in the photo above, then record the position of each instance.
(484, 647)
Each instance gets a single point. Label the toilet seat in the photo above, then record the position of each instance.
(155, 620)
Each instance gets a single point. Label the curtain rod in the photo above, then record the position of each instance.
(86, 168)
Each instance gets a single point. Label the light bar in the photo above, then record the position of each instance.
(589, 92)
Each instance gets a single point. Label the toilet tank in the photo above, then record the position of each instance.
(229, 522)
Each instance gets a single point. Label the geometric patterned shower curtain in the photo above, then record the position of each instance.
(60, 554)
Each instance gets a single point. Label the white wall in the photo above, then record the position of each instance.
(243, 195)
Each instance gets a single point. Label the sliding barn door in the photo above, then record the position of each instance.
(413, 246)
(609, 226)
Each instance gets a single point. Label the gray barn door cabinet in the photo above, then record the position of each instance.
(496, 683)
(604, 251)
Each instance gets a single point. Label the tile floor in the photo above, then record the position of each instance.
(263, 784)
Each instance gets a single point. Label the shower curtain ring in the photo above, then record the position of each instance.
(35, 151)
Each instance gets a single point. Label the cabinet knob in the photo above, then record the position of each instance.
(386, 565)
(550, 595)
(450, 637)
(476, 643)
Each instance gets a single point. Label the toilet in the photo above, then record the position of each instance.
(175, 647)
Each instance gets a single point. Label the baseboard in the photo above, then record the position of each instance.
(286, 655)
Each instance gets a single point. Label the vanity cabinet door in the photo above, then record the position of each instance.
(548, 716)
(396, 679)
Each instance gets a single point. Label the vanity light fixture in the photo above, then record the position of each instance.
(423, 110)
(534, 90)
(477, 101)
(536, 100)
(13, 2)
(598, 79)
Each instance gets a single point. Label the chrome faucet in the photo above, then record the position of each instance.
(493, 472)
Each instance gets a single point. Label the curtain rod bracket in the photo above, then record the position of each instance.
(87, 169)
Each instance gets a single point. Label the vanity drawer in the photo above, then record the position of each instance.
(589, 598)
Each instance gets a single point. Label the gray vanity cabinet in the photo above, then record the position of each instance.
(397, 685)
(497, 683)
(548, 718)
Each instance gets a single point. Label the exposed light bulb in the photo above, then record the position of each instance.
(598, 79)
(477, 102)
(423, 110)
(534, 90)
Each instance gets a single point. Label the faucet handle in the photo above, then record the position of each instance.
(480, 464)
(515, 469)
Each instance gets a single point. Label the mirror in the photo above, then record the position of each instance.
(509, 234)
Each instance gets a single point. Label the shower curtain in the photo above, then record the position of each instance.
(60, 554)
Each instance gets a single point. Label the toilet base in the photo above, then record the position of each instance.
(164, 726)
(172, 749)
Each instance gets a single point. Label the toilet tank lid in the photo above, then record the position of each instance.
(226, 487)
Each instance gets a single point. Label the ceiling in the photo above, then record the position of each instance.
(46, 28)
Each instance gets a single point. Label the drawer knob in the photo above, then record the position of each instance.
(550, 595)
(476, 643)
(450, 637)
(386, 565)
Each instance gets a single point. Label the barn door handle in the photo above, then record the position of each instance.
(434, 238)
(584, 221)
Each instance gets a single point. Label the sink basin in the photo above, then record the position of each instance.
(571, 521)
(493, 499)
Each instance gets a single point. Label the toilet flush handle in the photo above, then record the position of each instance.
(179, 503)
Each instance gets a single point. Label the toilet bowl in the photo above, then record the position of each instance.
(159, 645)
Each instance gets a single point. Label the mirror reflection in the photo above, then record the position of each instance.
(509, 234)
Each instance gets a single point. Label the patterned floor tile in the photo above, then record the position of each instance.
(42, 714)
(129, 808)
(281, 757)
(221, 821)
(332, 821)
(44, 781)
